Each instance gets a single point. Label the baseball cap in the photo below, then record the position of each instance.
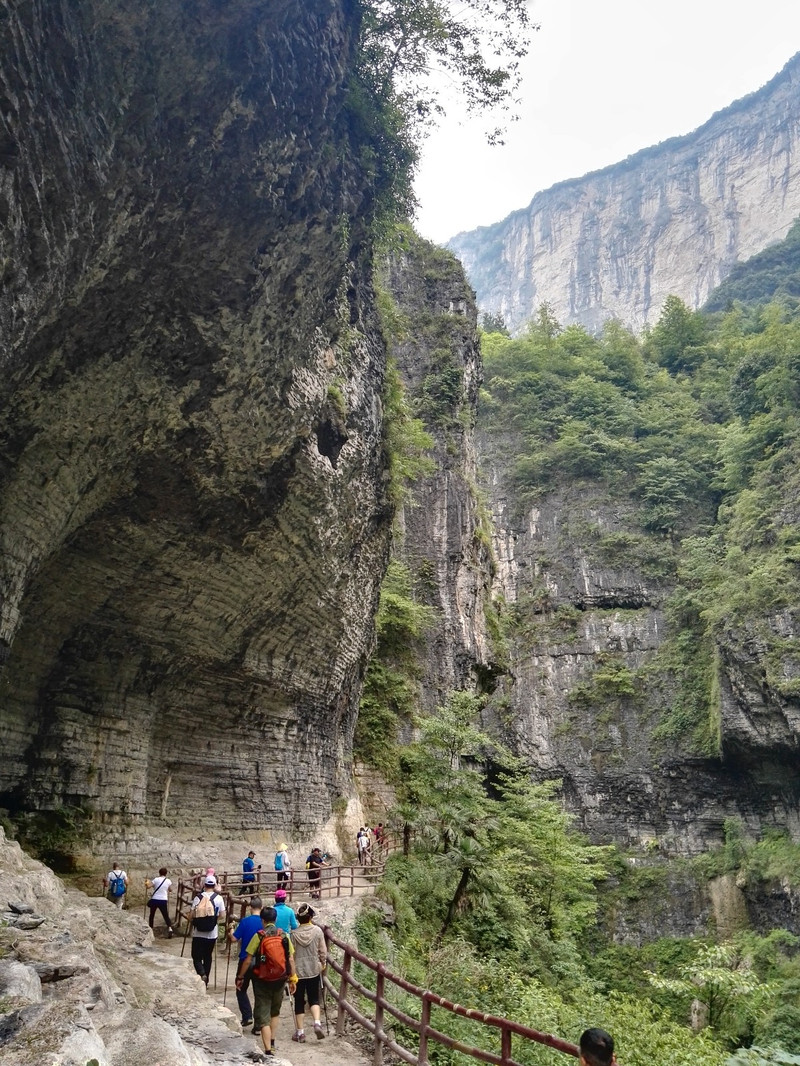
(211, 880)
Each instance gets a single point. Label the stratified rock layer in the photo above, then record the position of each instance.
(672, 219)
(192, 532)
(438, 530)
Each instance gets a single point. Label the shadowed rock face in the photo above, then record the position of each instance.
(187, 518)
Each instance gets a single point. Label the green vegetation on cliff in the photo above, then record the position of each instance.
(500, 904)
(697, 430)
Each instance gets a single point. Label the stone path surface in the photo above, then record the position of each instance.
(339, 913)
(82, 980)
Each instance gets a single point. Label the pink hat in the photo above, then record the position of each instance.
(280, 896)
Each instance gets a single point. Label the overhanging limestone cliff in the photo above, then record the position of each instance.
(187, 515)
(672, 219)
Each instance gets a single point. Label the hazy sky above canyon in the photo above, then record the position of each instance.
(602, 81)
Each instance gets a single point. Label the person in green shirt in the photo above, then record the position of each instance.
(274, 947)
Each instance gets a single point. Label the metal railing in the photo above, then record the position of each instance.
(425, 1032)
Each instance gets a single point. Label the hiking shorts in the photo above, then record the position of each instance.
(307, 989)
(268, 996)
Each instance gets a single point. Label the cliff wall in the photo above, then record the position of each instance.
(672, 219)
(188, 518)
(439, 533)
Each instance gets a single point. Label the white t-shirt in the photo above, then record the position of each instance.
(161, 887)
(219, 907)
(116, 873)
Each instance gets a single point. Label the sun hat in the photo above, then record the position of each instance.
(282, 847)
(305, 911)
(280, 894)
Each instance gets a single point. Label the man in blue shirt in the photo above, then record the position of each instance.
(248, 877)
(245, 930)
(286, 918)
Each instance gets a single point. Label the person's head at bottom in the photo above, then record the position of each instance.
(596, 1048)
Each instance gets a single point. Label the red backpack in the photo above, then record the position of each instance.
(269, 961)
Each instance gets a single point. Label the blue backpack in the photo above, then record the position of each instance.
(116, 887)
(279, 861)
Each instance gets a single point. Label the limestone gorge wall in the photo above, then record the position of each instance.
(586, 681)
(672, 219)
(194, 514)
(441, 534)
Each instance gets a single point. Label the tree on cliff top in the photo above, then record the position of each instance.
(411, 49)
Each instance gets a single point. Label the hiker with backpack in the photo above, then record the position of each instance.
(283, 865)
(116, 884)
(159, 895)
(310, 959)
(270, 961)
(247, 927)
(207, 909)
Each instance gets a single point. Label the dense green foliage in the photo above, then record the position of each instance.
(389, 694)
(697, 430)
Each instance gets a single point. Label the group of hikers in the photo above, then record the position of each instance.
(277, 948)
(364, 839)
(283, 870)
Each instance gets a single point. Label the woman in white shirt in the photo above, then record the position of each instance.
(159, 897)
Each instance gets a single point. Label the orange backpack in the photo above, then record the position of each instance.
(269, 961)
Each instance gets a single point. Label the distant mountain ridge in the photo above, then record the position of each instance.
(673, 218)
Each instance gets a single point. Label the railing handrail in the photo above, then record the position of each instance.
(422, 1027)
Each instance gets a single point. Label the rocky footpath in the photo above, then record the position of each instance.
(81, 980)
(671, 219)
(86, 982)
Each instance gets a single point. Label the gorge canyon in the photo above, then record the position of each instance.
(197, 508)
(673, 219)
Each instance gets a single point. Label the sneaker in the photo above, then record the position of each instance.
(256, 1029)
(246, 1022)
(298, 1037)
(318, 1033)
(170, 934)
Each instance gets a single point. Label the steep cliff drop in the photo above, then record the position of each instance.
(671, 219)
(192, 530)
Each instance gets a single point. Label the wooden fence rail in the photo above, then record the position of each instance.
(334, 881)
(421, 1025)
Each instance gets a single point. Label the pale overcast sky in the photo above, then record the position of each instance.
(603, 80)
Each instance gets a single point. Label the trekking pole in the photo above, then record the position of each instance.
(216, 952)
(227, 970)
(188, 922)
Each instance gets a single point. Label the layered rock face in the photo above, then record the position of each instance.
(585, 691)
(672, 219)
(438, 530)
(192, 476)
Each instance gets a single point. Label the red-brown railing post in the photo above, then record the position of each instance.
(505, 1044)
(380, 984)
(424, 1026)
(343, 987)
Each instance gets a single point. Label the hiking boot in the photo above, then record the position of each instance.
(318, 1033)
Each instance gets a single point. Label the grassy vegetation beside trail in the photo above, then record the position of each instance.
(497, 904)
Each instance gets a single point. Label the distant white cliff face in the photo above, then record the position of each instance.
(673, 219)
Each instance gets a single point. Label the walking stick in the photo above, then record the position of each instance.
(227, 971)
(144, 908)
